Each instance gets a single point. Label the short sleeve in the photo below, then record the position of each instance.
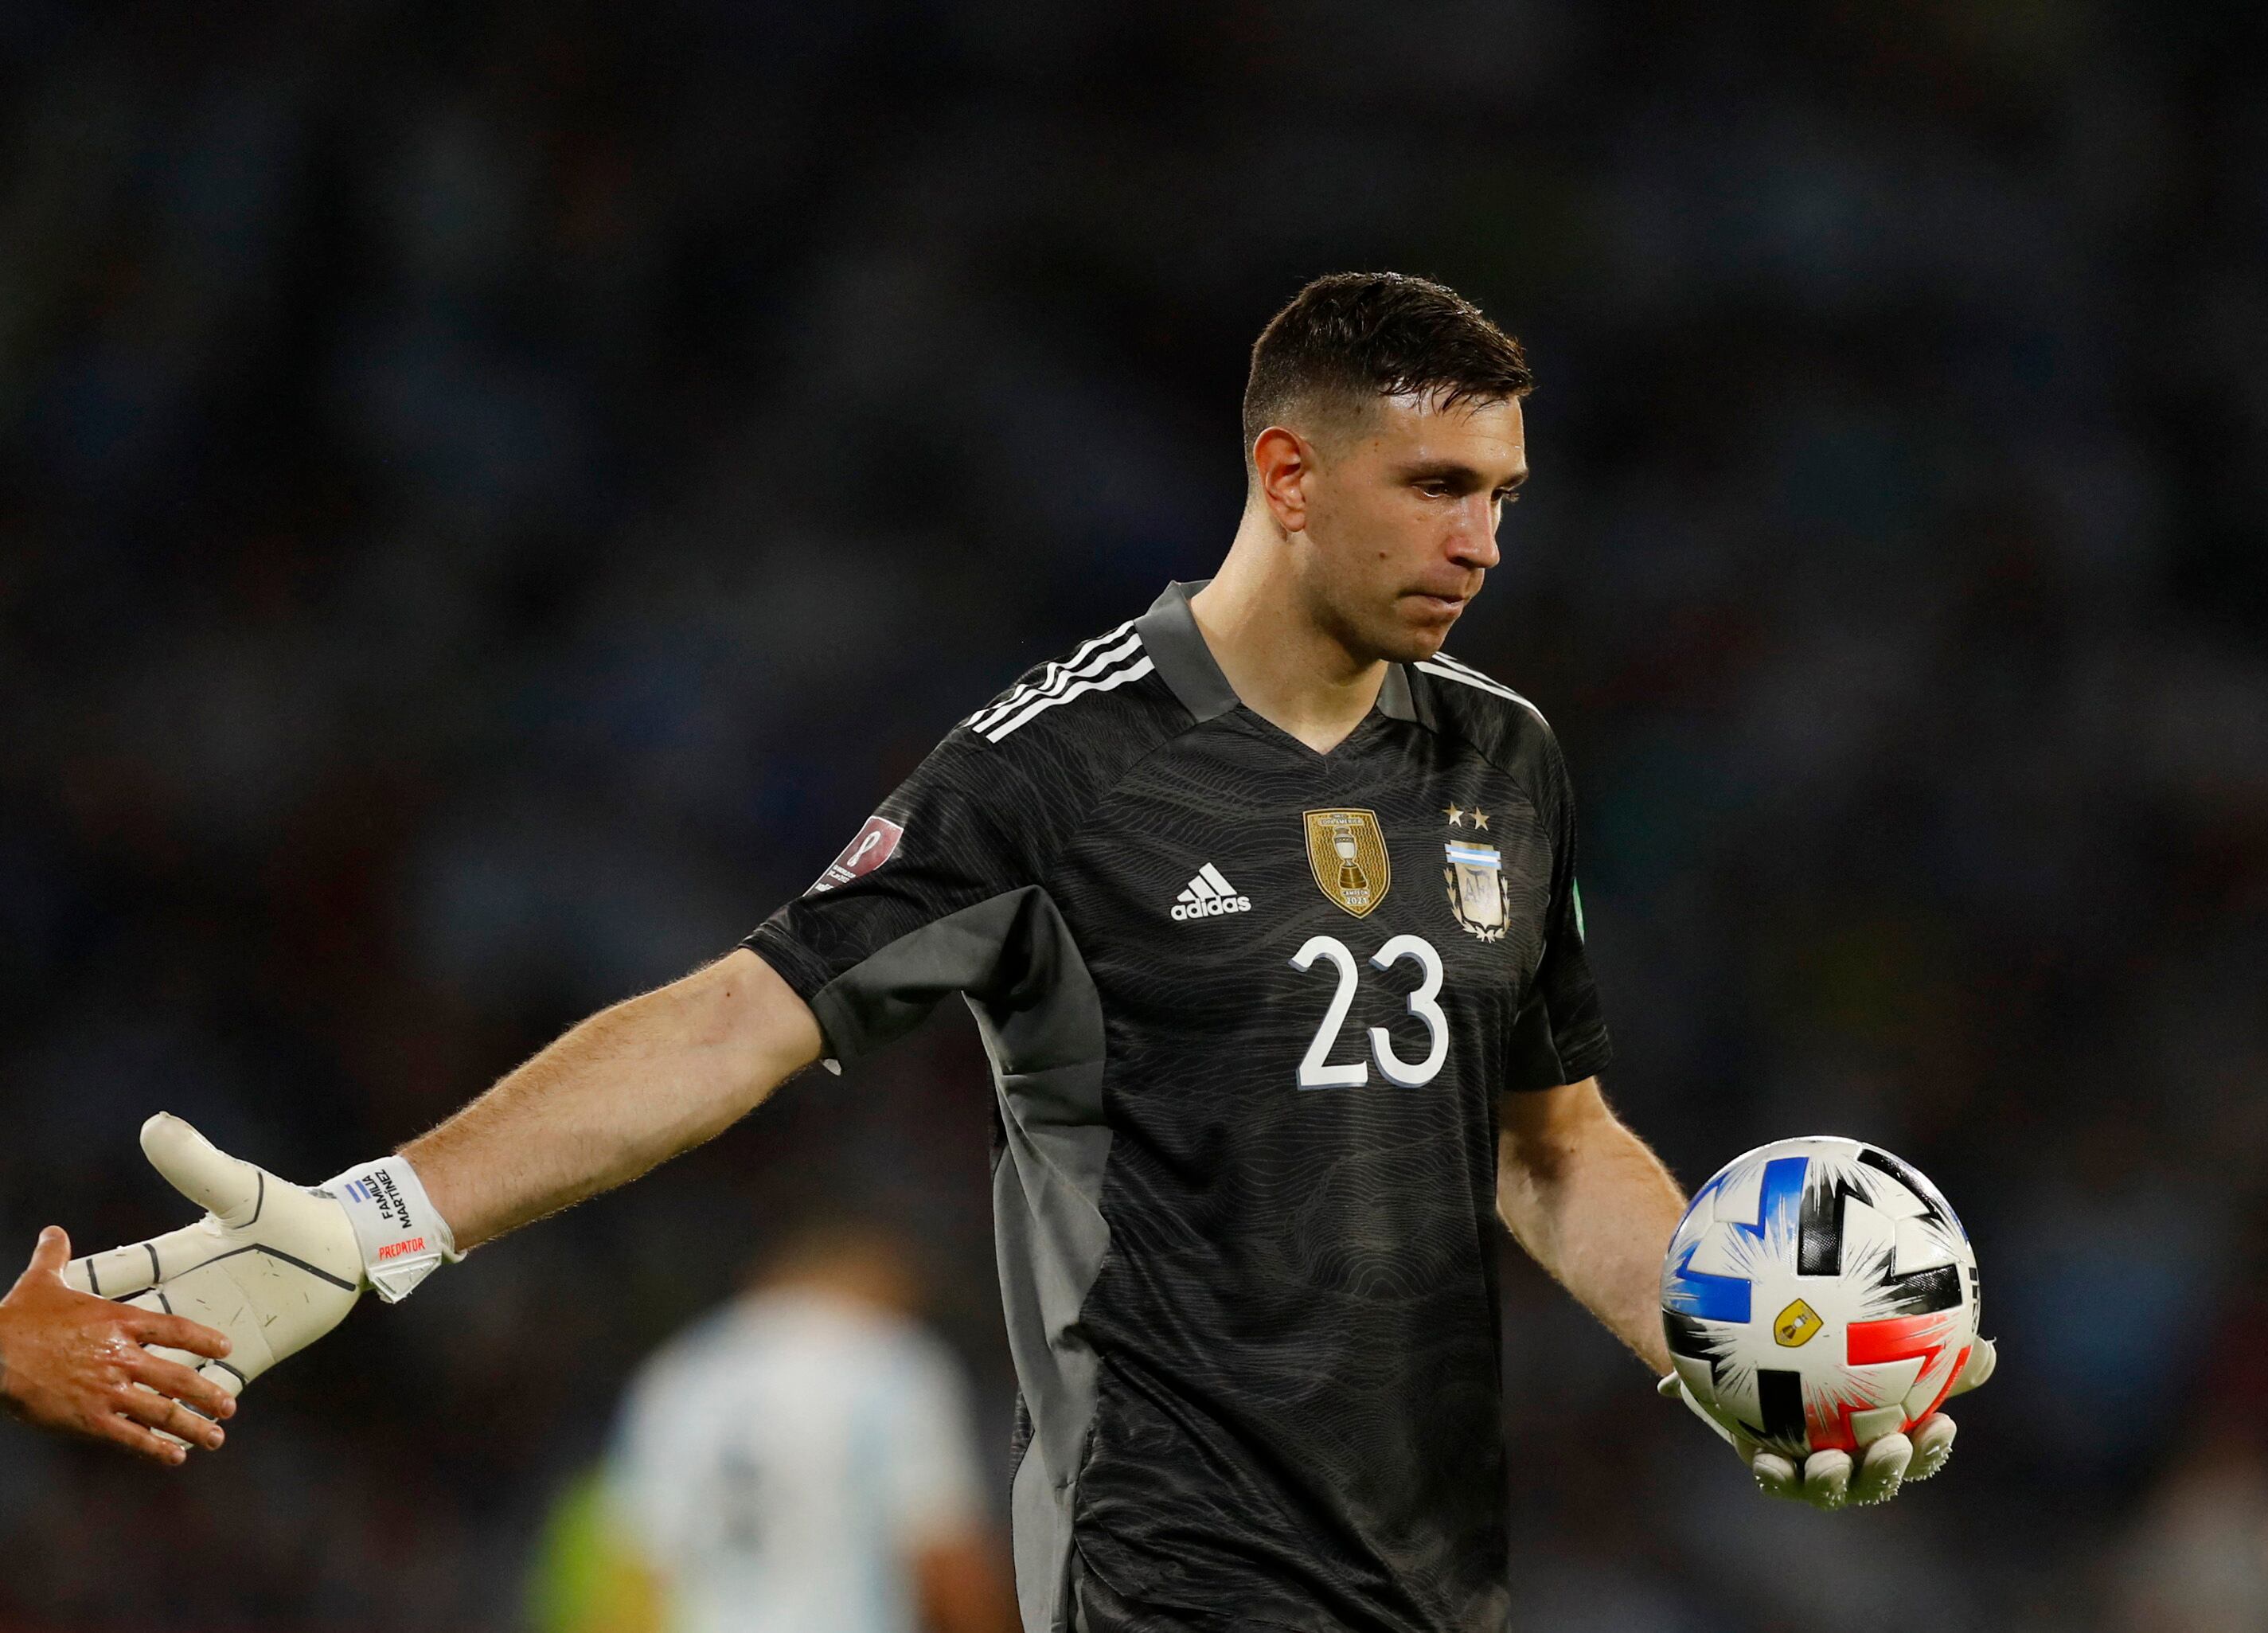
(929, 1480)
(1560, 1035)
(924, 901)
(646, 1494)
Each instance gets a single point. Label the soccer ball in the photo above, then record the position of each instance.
(1818, 1295)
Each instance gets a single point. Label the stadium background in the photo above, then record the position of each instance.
(491, 494)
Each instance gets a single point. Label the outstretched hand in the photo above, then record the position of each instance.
(73, 1361)
(273, 1265)
(1829, 1479)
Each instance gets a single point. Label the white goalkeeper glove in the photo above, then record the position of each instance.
(274, 1264)
(1828, 1479)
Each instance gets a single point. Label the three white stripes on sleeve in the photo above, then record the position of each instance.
(1115, 658)
(1102, 665)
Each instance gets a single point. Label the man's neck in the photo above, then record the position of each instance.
(1282, 665)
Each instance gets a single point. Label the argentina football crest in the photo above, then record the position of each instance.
(1479, 895)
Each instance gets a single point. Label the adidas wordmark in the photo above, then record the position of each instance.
(1208, 896)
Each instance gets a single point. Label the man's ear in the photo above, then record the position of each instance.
(1283, 462)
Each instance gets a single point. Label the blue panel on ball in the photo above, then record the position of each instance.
(1779, 1205)
(1696, 1293)
(1780, 1199)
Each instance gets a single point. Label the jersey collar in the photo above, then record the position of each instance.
(1177, 647)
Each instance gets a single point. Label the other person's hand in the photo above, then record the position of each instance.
(1828, 1480)
(73, 1361)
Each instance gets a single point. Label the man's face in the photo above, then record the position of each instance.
(1402, 512)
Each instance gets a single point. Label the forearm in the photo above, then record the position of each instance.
(625, 1091)
(1596, 1208)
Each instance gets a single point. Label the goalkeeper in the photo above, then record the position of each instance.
(1246, 1165)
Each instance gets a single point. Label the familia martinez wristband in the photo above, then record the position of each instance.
(403, 1237)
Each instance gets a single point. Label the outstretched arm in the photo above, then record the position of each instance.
(1592, 1205)
(275, 1266)
(627, 1088)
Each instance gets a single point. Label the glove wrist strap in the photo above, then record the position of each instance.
(403, 1237)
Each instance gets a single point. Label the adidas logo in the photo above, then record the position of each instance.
(1208, 896)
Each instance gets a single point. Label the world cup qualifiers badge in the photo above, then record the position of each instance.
(872, 846)
(1479, 895)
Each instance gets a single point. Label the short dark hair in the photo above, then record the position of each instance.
(1352, 336)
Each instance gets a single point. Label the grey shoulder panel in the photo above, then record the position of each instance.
(1052, 1236)
(887, 993)
(1044, 1037)
(1040, 1018)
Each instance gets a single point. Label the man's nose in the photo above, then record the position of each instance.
(1472, 543)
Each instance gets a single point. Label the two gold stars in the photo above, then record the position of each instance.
(1456, 813)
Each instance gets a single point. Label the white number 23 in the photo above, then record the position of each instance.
(1315, 1074)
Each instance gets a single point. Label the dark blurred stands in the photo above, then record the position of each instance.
(491, 494)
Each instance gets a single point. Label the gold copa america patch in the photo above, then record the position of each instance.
(1347, 850)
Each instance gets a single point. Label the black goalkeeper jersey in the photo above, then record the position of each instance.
(1248, 1009)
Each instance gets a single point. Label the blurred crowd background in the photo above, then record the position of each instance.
(491, 494)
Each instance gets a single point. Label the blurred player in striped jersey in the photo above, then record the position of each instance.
(800, 1461)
